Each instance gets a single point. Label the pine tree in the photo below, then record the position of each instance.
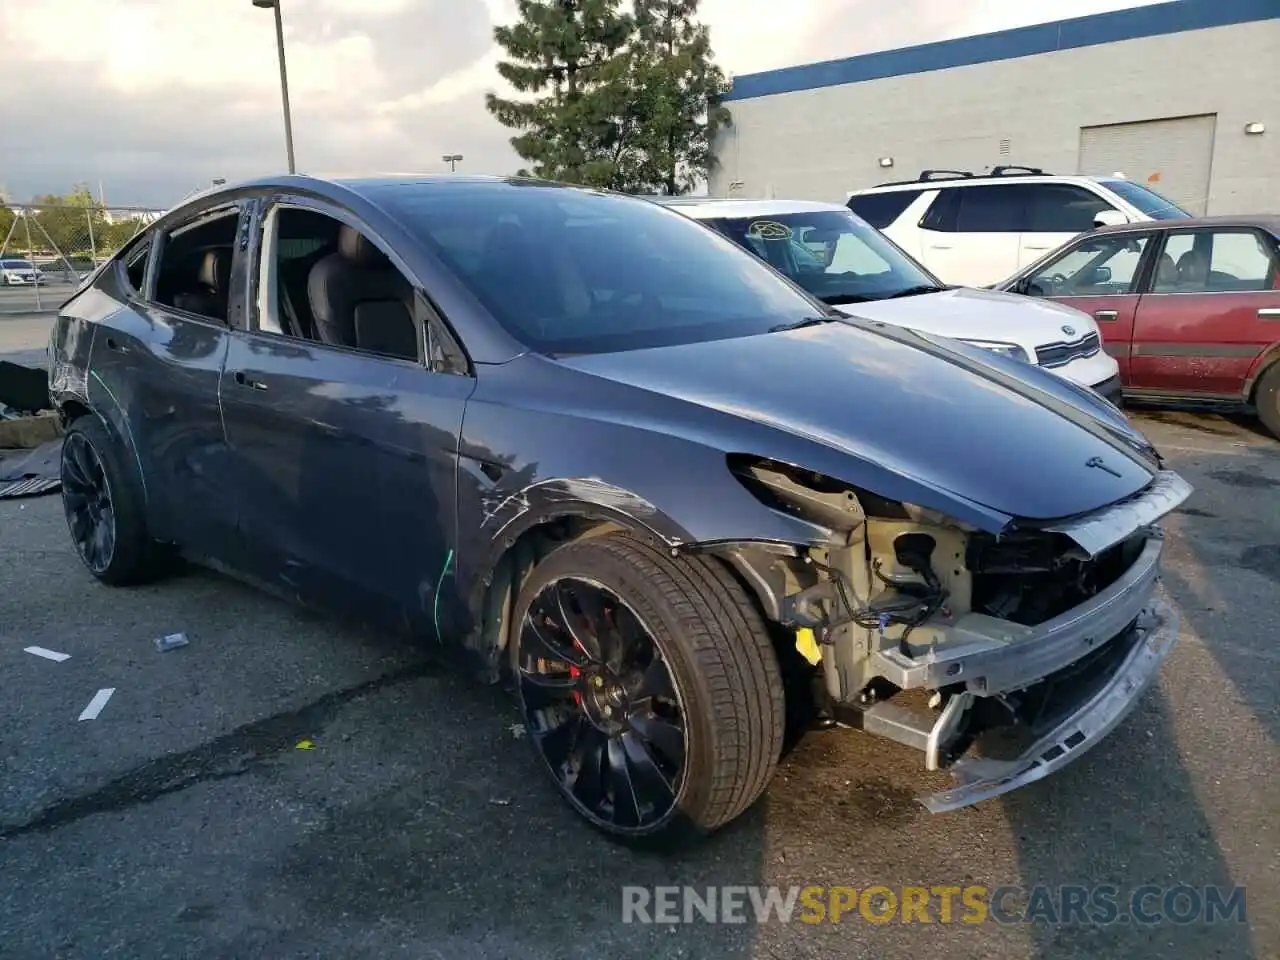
(678, 94)
(569, 58)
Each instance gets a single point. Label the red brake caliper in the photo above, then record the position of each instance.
(577, 694)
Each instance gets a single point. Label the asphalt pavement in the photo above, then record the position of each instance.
(289, 786)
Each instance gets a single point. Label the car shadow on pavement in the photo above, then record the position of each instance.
(1126, 818)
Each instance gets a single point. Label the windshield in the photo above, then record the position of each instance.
(16, 264)
(1148, 201)
(571, 271)
(832, 254)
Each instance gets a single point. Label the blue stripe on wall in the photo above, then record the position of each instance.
(1150, 21)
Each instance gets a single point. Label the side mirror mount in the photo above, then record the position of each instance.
(1109, 218)
(1101, 275)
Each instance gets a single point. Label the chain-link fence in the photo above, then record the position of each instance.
(46, 250)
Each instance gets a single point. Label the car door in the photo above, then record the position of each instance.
(159, 361)
(1056, 212)
(346, 451)
(970, 235)
(1212, 311)
(1102, 275)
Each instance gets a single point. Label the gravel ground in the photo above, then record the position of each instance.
(186, 820)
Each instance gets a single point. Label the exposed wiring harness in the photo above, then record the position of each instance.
(919, 603)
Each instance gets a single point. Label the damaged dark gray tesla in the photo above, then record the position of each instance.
(682, 505)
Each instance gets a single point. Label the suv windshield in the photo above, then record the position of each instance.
(1148, 201)
(570, 271)
(832, 254)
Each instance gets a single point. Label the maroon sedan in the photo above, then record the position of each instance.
(1189, 308)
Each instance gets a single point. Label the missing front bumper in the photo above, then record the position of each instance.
(977, 779)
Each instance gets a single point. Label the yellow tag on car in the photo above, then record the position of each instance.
(807, 644)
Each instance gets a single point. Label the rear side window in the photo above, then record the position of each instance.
(882, 209)
(994, 208)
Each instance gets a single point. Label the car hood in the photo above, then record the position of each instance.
(874, 402)
(972, 314)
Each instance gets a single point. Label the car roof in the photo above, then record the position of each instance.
(707, 207)
(937, 183)
(1265, 221)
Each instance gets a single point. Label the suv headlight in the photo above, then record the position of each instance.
(1011, 350)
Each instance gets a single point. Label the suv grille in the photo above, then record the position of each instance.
(1060, 354)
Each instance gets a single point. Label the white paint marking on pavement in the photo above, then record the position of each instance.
(97, 703)
(53, 655)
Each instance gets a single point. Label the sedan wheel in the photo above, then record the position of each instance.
(649, 688)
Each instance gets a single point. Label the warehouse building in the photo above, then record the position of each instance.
(1182, 96)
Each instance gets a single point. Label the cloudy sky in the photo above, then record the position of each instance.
(154, 98)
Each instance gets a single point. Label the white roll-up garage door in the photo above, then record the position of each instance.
(1173, 157)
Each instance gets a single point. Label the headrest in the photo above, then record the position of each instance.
(215, 269)
(356, 247)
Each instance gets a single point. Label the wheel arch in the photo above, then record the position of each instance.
(526, 540)
(1266, 360)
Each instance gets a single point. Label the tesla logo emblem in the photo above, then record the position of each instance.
(1098, 464)
(1069, 331)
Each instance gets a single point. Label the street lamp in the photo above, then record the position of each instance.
(284, 79)
(452, 159)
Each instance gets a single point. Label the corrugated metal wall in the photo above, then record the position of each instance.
(1174, 157)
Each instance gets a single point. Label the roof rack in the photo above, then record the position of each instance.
(1003, 170)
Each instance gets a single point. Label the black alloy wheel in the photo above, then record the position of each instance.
(601, 705)
(87, 500)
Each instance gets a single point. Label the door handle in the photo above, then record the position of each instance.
(1030, 247)
(938, 246)
(245, 381)
(113, 344)
(1269, 313)
(1107, 314)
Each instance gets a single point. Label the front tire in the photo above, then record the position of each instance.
(649, 687)
(1267, 400)
(103, 503)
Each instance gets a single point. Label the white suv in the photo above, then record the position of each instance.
(850, 266)
(979, 230)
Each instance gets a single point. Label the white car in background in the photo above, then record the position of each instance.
(978, 230)
(17, 273)
(852, 267)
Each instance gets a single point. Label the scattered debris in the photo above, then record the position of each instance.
(499, 802)
(517, 730)
(27, 433)
(171, 641)
(53, 655)
(304, 745)
(29, 488)
(97, 703)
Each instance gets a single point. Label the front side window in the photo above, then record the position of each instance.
(324, 281)
(1061, 208)
(1224, 261)
(568, 271)
(1146, 200)
(833, 255)
(1098, 267)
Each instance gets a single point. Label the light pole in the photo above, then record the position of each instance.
(452, 159)
(284, 79)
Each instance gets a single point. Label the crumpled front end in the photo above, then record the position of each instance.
(1002, 657)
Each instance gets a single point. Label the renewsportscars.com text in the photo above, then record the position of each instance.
(1098, 905)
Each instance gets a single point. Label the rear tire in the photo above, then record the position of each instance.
(104, 506)
(649, 687)
(1267, 399)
